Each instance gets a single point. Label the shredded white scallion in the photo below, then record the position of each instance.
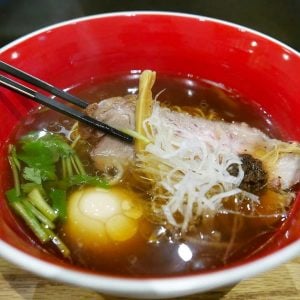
(190, 168)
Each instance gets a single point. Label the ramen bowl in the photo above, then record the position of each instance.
(258, 67)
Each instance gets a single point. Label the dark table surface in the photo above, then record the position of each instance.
(277, 18)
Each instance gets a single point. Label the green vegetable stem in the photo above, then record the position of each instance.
(39, 195)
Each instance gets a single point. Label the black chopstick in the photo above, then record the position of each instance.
(41, 84)
(62, 108)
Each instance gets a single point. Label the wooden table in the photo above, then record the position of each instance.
(281, 283)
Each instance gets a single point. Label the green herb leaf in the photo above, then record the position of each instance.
(77, 180)
(86, 179)
(59, 202)
(55, 142)
(40, 151)
(32, 174)
(38, 157)
(12, 195)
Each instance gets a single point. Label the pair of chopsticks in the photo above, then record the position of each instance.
(52, 103)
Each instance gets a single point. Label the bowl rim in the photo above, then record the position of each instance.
(151, 287)
(134, 13)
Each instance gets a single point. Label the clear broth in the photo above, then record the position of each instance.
(213, 246)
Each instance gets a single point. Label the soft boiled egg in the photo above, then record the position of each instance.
(102, 217)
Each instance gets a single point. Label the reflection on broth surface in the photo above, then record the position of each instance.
(122, 229)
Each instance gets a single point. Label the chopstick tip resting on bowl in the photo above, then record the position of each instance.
(52, 103)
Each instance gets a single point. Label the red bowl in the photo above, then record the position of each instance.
(256, 66)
